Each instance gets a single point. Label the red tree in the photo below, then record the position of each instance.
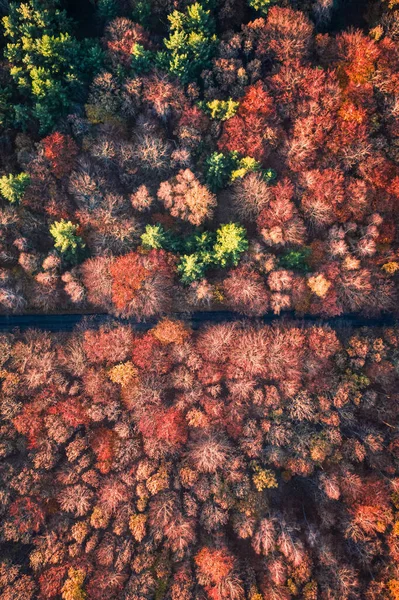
(60, 151)
(252, 131)
(142, 283)
(288, 33)
(120, 37)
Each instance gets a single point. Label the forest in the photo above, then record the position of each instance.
(158, 157)
(237, 462)
(161, 159)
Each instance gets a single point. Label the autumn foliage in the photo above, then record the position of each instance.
(239, 458)
(284, 124)
(252, 131)
(162, 158)
(141, 283)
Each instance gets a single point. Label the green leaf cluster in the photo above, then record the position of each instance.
(221, 109)
(12, 187)
(262, 6)
(297, 260)
(222, 169)
(191, 43)
(66, 240)
(231, 242)
(142, 60)
(142, 12)
(200, 251)
(49, 66)
(107, 9)
(358, 380)
(218, 169)
(158, 238)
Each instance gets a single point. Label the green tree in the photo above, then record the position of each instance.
(6, 98)
(201, 250)
(218, 169)
(231, 242)
(191, 267)
(201, 243)
(142, 13)
(158, 238)
(222, 169)
(222, 109)
(50, 67)
(262, 6)
(107, 9)
(191, 43)
(142, 59)
(66, 240)
(12, 187)
(296, 259)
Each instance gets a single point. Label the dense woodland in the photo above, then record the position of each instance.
(239, 462)
(160, 156)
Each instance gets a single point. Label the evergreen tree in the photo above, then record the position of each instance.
(12, 187)
(191, 43)
(231, 242)
(66, 241)
(49, 66)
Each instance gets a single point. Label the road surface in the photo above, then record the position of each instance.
(68, 322)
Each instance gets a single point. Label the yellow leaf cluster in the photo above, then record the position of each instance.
(393, 586)
(390, 267)
(99, 519)
(169, 331)
(218, 294)
(137, 526)
(319, 285)
(72, 588)
(79, 531)
(158, 482)
(264, 479)
(123, 373)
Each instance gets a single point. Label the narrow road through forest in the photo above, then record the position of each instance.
(67, 322)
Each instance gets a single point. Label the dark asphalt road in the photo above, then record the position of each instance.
(68, 322)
